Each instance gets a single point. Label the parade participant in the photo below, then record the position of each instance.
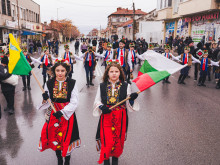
(186, 58)
(198, 54)
(204, 67)
(60, 131)
(168, 55)
(8, 90)
(108, 54)
(132, 53)
(67, 56)
(113, 124)
(122, 55)
(89, 63)
(83, 47)
(46, 64)
(26, 84)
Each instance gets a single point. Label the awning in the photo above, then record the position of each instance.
(25, 33)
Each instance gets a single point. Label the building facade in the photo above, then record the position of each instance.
(119, 17)
(21, 18)
(195, 18)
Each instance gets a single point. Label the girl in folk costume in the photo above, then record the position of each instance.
(112, 127)
(108, 54)
(186, 58)
(26, 84)
(60, 131)
(122, 55)
(204, 67)
(46, 64)
(67, 56)
(168, 55)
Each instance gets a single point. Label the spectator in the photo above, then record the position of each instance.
(39, 47)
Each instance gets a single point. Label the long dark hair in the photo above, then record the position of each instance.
(106, 77)
(53, 68)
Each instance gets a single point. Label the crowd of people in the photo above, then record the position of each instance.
(119, 58)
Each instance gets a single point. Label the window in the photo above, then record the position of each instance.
(169, 3)
(27, 15)
(3, 7)
(9, 7)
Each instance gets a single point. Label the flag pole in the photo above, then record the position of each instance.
(122, 101)
(43, 90)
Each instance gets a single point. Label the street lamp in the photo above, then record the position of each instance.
(57, 11)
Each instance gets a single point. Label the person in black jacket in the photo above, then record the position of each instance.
(26, 84)
(77, 46)
(180, 48)
(8, 90)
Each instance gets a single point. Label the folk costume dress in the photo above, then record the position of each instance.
(204, 68)
(112, 127)
(46, 61)
(125, 61)
(61, 135)
(133, 55)
(107, 55)
(67, 56)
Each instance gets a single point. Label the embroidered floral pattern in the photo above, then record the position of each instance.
(60, 94)
(110, 98)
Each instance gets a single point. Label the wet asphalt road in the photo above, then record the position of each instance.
(176, 125)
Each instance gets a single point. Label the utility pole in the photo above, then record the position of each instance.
(19, 32)
(134, 23)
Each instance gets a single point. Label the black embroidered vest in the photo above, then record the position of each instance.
(122, 93)
(65, 94)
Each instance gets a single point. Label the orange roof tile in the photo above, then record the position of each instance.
(126, 23)
(122, 11)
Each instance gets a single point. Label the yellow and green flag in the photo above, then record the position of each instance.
(18, 64)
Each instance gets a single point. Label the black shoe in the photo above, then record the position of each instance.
(87, 85)
(209, 79)
(217, 87)
(11, 111)
(179, 82)
(203, 85)
(168, 82)
(29, 88)
(91, 84)
(199, 84)
(183, 83)
(24, 88)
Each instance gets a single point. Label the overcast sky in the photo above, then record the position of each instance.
(88, 14)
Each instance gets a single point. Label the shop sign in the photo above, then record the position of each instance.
(29, 26)
(11, 24)
(203, 17)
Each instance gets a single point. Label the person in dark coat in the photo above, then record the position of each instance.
(8, 90)
(180, 48)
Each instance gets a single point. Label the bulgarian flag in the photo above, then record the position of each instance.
(18, 64)
(155, 68)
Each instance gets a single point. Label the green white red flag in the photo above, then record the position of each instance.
(155, 68)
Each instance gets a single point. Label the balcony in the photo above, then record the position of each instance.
(196, 6)
(165, 13)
